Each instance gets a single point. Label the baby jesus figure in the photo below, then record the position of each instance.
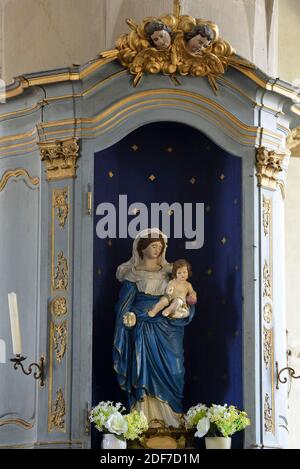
(178, 295)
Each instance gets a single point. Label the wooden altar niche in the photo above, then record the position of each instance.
(53, 125)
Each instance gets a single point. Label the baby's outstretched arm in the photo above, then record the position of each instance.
(163, 302)
(191, 296)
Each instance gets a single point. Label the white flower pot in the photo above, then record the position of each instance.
(217, 442)
(110, 441)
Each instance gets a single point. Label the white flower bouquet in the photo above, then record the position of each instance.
(111, 418)
(216, 420)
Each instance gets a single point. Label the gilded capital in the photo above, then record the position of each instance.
(60, 158)
(269, 165)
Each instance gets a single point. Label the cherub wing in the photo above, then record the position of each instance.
(214, 63)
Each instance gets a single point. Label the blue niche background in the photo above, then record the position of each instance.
(170, 162)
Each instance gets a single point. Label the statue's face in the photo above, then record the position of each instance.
(197, 44)
(161, 39)
(153, 251)
(182, 273)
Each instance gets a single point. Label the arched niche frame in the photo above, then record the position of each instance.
(69, 115)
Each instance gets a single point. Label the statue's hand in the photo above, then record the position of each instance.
(129, 320)
(191, 299)
(152, 313)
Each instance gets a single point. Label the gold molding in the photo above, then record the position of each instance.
(88, 90)
(126, 104)
(151, 99)
(60, 157)
(59, 335)
(22, 83)
(205, 113)
(61, 205)
(16, 173)
(114, 75)
(267, 313)
(13, 138)
(59, 306)
(30, 149)
(58, 330)
(58, 412)
(24, 111)
(268, 164)
(20, 422)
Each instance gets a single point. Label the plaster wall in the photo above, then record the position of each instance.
(292, 237)
(46, 34)
(289, 69)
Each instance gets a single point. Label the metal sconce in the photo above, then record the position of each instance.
(39, 374)
(291, 373)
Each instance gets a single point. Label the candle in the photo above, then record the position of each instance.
(2, 351)
(14, 323)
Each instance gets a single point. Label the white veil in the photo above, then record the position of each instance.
(125, 270)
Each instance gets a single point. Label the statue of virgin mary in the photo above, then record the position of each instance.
(148, 352)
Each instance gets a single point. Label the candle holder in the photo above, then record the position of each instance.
(290, 371)
(40, 374)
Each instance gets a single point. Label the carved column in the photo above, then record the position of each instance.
(270, 174)
(60, 164)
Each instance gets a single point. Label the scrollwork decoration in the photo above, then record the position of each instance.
(61, 206)
(268, 414)
(61, 277)
(60, 340)
(268, 346)
(267, 208)
(267, 293)
(58, 411)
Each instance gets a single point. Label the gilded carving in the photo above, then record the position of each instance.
(176, 44)
(60, 158)
(268, 164)
(267, 293)
(60, 340)
(267, 212)
(293, 139)
(268, 414)
(61, 206)
(17, 173)
(59, 306)
(61, 277)
(268, 313)
(58, 411)
(268, 346)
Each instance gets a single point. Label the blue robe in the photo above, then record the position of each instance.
(149, 358)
